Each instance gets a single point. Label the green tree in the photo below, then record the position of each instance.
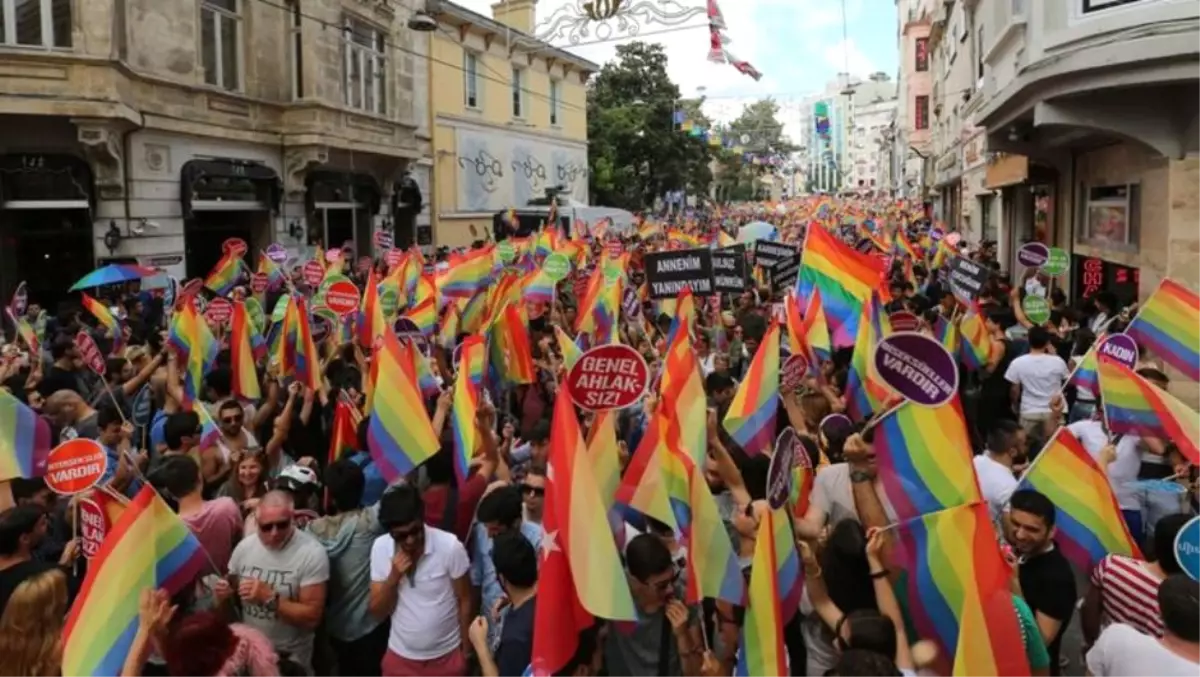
(636, 151)
(757, 130)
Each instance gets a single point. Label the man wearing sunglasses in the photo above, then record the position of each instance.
(533, 493)
(280, 577)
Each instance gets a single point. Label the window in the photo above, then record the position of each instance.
(922, 112)
(296, 40)
(35, 23)
(555, 86)
(922, 55)
(1111, 214)
(365, 66)
(221, 43)
(470, 80)
(1090, 6)
(518, 93)
(979, 50)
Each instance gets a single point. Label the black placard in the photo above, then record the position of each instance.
(967, 278)
(670, 272)
(729, 269)
(783, 273)
(767, 254)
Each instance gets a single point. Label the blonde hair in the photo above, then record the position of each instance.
(31, 626)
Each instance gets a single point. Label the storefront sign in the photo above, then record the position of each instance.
(967, 278)
(608, 377)
(918, 367)
(1005, 170)
(1120, 348)
(668, 273)
(1091, 274)
(75, 465)
(779, 472)
(89, 353)
(729, 269)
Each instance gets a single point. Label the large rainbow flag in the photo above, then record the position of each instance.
(1133, 405)
(24, 440)
(924, 457)
(750, 420)
(1169, 325)
(845, 277)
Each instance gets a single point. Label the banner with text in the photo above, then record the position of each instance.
(729, 269)
(668, 273)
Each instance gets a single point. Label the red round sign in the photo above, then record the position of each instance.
(92, 527)
(608, 377)
(75, 465)
(234, 246)
(259, 283)
(219, 310)
(794, 371)
(342, 297)
(313, 274)
(615, 248)
(394, 257)
(904, 321)
(90, 353)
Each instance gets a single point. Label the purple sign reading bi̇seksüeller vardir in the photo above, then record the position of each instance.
(918, 367)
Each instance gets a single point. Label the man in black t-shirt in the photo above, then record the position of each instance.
(516, 564)
(1047, 582)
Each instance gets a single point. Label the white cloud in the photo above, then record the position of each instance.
(845, 55)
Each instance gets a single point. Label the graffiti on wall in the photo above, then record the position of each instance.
(497, 171)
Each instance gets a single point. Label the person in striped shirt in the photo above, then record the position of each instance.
(1124, 590)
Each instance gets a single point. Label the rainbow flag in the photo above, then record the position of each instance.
(1133, 405)
(803, 478)
(750, 420)
(775, 580)
(245, 348)
(424, 316)
(27, 333)
(472, 360)
(642, 486)
(683, 398)
(426, 382)
(343, 435)
(957, 584)
(816, 328)
(902, 246)
(713, 570)
(797, 341)
(306, 365)
(1169, 325)
(275, 275)
(924, 457)
(942, 254)
(447, 332)
(570, 352)
(512, 351)
(1089, 524)
(24, 440)
(866, 393)
(845, 277)
(400, 436)
(148, 548)
(225, 275)
(604, 452)
(371, 323)
(976, 340)
(195, 347)
(104, 316)
(466, 274)
(946, 333)
(210, 434)
(539, 288)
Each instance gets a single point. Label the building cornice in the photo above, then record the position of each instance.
(457, 121)
(457, 16)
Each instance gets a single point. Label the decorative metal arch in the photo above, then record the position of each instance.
(582, 20)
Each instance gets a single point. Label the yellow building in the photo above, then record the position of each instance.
(508, 114)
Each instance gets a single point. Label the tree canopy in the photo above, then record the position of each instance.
(758, 131)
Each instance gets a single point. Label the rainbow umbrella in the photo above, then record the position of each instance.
(114, 273)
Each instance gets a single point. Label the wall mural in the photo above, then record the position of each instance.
(498, 171)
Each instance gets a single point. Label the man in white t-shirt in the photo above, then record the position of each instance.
(419, 579)
(1036, 377)
(1122, 650)
(996, 466)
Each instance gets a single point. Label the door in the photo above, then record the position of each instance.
(206, 232)
(49, 249)
(339, 227)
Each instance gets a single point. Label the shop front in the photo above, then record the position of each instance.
(947, 184)
(223, 199)
(1028, 193)
(341, 209)
(978, 206)
(46, 207)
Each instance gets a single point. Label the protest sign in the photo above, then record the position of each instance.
(234, 246)
(92, 526)
(259, 283)
(313, 274)
(767, 254)
(1187, 548)
(1033, 255)
(967, 278)
(1119, 348)
(918, 367)
(608, 377)
(384, 239)
(90, 354)
(793, 373)
(904, 321)
(729, 269)
(342, 297)
(219, 310)
(276, 252)
(1057, 262)
(779, 472)
(784, 272)
(1037, 310)
(668, 273)
(556, 267)
(75, 465)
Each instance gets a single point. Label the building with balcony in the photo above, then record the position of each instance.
(155, 130)
(870, 150)
(509, 118)
(913, 91)
(1092, 118)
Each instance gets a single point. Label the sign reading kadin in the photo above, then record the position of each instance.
(90, 353)
(92, 527)
(608, 377)
(779, 472)
(1119, 348)
(75, 466)
(918, 367)
(342, 297)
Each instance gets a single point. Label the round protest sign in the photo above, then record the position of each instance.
(327, 314)
(1119, 348)
(614, 248)
(219, 310)
(170, 292)
(506, 251)
(792, 375)
(90, 353)
(1187, 548)
(1036, 308)
(313, 274)
(259, 283)
(903, 320)
(342, 297)
(234, 246)
(276, 252)
(557, 267)
(92, 526)
(389, 301)
(936, 233)
(779, 472)
(394, 257)
(405, 328)
(608, 377)
(836, 426)
(1033, 255)
(1057, 262)
(75, 465)
(918, 367)
(384, 239)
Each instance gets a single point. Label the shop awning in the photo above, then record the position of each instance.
(228, 185)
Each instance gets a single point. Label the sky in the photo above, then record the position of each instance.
(797, 45)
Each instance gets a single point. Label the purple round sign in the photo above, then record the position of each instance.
(935, 234)
(276, 252)
(836, 426)
(918, 367)
(1119, 348)
(779, 472)
(1033, 255)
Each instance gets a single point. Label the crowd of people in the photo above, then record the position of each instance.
(318, 559)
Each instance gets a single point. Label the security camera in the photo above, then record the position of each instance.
(137, 229)
(422, 21)
(153, 225)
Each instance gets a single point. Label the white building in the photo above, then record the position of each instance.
(869, 147)
(826, 160)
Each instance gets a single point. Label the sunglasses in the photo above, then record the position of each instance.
(536, 491)
(401, 535)
(269, 527)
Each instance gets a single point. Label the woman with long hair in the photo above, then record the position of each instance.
(248, 481)
(31, 626)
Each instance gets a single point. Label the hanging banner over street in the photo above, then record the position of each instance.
(729, 269)
(668, 273)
